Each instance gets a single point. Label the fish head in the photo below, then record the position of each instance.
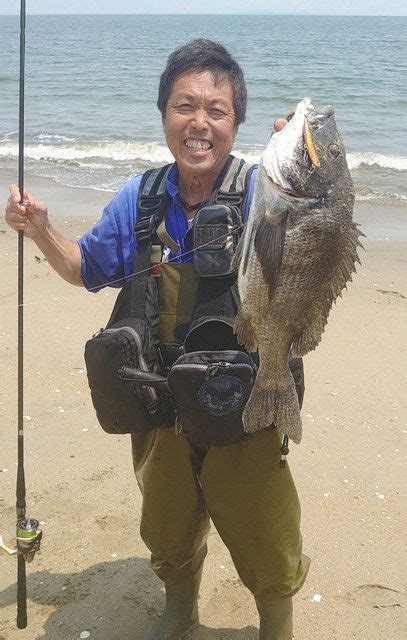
(307, 157)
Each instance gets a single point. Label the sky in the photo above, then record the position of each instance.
(325, 7)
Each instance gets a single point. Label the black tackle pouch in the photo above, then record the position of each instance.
(214, 240)
(122, 405)
(210, 390)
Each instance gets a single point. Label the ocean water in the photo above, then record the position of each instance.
(91, 89)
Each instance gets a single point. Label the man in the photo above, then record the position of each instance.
(252, 502)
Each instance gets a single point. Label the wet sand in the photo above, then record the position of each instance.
(93, 573)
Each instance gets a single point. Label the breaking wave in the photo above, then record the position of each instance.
(105, 165)
(79, 151)
(62, 148)
(356, 160)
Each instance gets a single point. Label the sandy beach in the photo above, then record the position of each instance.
(92, 573)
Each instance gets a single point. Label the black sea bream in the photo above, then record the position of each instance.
(297, 253)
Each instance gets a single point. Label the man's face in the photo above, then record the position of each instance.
(199, 123)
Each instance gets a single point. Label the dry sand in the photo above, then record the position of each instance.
(93, 571)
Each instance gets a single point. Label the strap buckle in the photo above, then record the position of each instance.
(145, 228)
(232, 199)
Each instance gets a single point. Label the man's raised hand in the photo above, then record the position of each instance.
(29, 216)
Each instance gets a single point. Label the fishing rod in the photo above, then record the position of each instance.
(28, 534)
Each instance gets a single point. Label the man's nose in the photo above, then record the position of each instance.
(200, 118)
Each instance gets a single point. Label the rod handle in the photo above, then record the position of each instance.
(21, 593)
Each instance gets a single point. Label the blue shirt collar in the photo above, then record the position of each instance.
(172, 181)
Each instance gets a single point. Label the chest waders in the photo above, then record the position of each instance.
(209, 375)
(252, 503)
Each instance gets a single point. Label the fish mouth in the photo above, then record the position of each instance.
(294, 145)
(313, 122)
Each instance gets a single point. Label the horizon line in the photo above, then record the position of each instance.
(240, 13)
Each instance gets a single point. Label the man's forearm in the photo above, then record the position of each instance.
(62, 254)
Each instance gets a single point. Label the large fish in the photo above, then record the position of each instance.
(297, 253)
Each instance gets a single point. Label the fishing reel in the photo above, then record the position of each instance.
(28, 539)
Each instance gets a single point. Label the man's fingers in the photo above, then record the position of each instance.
(14, 193)
(20, 226)
(14, 217)
(28, 200)
(19, 218)
(279, 124)
(14, 206)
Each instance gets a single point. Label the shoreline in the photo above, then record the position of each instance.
(378, 222)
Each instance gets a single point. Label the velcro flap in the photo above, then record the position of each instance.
(210, 236)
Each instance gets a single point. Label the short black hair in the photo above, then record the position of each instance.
(202, 54)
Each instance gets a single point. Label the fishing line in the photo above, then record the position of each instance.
(134, 273)
(123, 279)
(109, 283)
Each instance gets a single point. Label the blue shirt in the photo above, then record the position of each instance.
(108, 249)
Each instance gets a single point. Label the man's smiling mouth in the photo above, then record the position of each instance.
(198, 145)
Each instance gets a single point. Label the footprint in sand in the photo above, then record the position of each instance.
(375, 596)
(392, 293)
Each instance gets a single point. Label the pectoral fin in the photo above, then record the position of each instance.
(269, 246)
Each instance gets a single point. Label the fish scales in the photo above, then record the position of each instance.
(297, 254)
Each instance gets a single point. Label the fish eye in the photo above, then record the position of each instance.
(333, 150)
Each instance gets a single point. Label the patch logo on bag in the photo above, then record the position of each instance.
(221, 395)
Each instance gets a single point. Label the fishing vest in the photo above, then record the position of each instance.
(190, 295)
(168, 354)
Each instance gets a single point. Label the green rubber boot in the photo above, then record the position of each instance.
(181, 609)
(276, 617)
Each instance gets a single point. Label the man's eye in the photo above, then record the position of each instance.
(216, 113)
(185, 107)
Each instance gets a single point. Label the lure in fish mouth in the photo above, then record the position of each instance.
(308, 155)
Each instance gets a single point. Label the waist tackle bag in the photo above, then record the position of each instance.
(210, 390)
(122, 405)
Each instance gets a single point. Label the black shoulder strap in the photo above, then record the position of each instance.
(235, 182)
(151, 205)
(151, 201)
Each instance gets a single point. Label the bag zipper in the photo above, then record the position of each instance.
(223, 365)
(216, 367)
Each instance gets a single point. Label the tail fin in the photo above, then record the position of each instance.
(277, 405)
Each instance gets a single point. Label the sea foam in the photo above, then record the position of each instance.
(106, 165)
(114, 151)
(61, 148)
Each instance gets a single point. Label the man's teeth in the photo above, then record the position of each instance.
(197, 145)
